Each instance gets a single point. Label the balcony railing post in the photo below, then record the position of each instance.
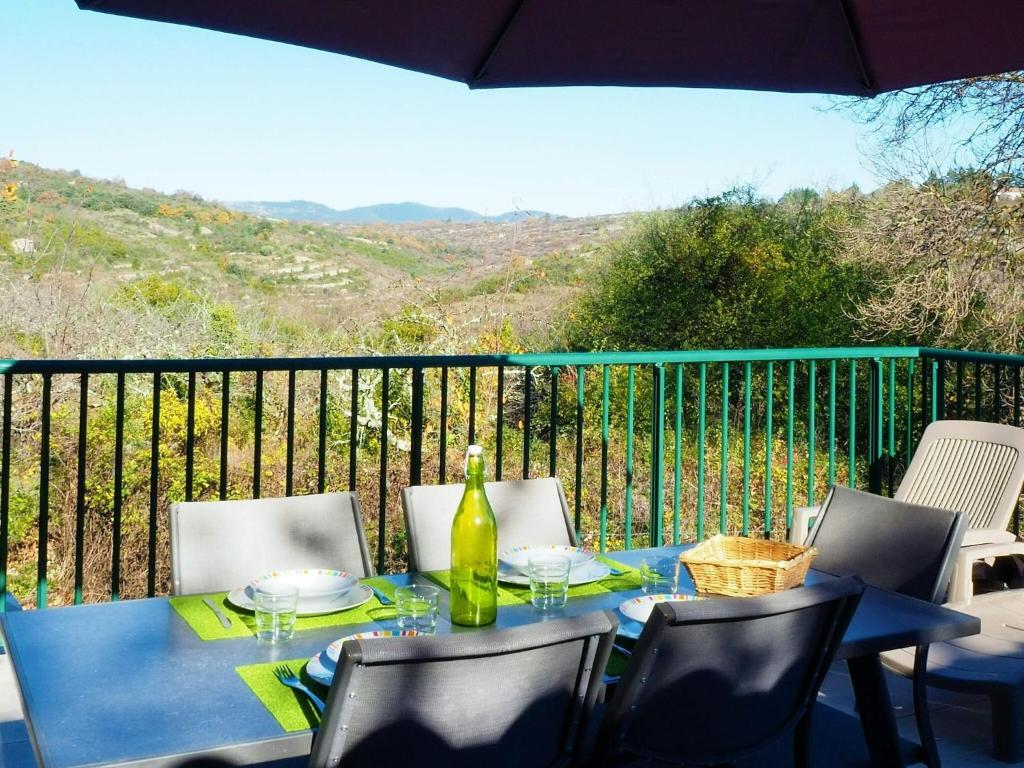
(321, 450)
(702, 398)
(44, 487)
(578, 517)
(289, 468)
(527, 406)
(769, 444)
(875, 455)
(154, 484)
(657, 453)
(677, 497)
(628, 524)
(605, 390)
(353, 430)
(442, 448)
(382, 488)
(416, 434)
(225, 413)
(723, 469)
(5, 488)
(553, 424)
(83, 426)
(115, 556)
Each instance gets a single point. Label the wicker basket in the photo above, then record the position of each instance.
(741, 567)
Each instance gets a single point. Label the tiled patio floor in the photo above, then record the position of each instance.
(961, 722)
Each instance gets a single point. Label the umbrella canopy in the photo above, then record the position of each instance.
(856, 47)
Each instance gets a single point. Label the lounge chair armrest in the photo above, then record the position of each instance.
(803, 521)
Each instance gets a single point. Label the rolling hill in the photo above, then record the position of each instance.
(386, 213)
(92, 267)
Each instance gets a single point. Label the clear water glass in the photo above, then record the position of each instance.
(275, 613)
(549, 581)
(417, 608)
(659, 575)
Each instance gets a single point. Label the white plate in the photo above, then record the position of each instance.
(321, 666)
(316, 669)
(640, 608)
(586, 574)
(242, 598)
(518, 558)
(317, 586)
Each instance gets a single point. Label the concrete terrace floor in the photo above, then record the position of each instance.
(961, 722)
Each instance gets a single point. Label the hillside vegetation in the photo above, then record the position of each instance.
(95, 268)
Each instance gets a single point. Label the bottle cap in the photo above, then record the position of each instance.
(475, 450)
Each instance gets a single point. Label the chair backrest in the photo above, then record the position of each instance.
(905, 548)
(528, 512)
(217, 545)
(436, 700)
(712, 681)
(968, 466)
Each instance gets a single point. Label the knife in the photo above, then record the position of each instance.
(224, 620)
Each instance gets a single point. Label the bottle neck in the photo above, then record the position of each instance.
(475, 472)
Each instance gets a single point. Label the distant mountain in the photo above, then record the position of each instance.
(387, 213)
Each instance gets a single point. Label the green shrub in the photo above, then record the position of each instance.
(730, 271)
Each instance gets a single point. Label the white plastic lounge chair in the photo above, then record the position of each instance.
(972, 467)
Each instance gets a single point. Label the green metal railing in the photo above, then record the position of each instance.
(92, 452)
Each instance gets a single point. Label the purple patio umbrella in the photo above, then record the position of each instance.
(859, 47)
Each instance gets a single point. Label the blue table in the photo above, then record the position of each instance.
(124, 682)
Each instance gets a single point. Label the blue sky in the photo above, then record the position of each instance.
(238, 119)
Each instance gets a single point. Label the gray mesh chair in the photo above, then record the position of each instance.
(972, 467)
(528, 512)
(514, 697)
(218, 545)
(747, 671)
(905, 548)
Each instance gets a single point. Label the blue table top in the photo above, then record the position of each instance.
(130, 681)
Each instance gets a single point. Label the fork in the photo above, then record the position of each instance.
(287, 677)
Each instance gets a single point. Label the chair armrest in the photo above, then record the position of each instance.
(803, 521)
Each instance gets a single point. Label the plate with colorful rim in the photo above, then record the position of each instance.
(242, 598)
(586, 574)
(639, 608)
(518, 558)
(322, 665)
(334, 649)
(316, 585)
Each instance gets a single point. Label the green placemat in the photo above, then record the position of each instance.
(294, 712)
(207, 626)
(509, 594)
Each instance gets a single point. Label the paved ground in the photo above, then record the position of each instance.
(961, 722)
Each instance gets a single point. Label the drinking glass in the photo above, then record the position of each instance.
(275, 613)
(417, 608)
(549, 581)
(659, 575)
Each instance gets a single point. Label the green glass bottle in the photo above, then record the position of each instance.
(474, 574)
